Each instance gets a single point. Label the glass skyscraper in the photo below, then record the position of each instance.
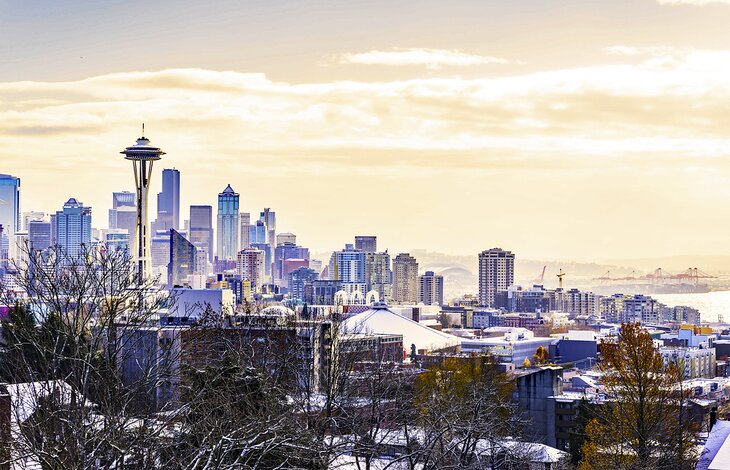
(72, 227)
(9, 209)
(168, 201)
(201, 228)
(228, 224)
(182, 259)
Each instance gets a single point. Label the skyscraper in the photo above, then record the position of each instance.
(431, 289)
(245, 220)
(142, 155)
(496, 274)
(228, 225)
(286, 237)
(123, 215)
(300, 280)
(378, 276)
(39, 234)
(366, 243)
(117, 240)
(282, 253)
(250, 266)
(268, 217)
(9, 210)
(168, 201)
(71, 227)
(348, 266)
(182, 259)
(405, 279)
(201, 228)
(123, 199)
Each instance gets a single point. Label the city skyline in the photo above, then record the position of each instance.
(614, 121)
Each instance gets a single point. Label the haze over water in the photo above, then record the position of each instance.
(710, 304)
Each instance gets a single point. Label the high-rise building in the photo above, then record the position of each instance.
(286, 237)
(9, 210)
(431, 289)
(496, 274)
(405, 279)
(228, 225)
(283, 252)
(268, 259)
(117, 240)
(300, 281)
(366, 243)
(123, 215)
(245, 219)
(378, 276)
(28, 217)
(201, 228)
(268, 217)
(182, 259)
(348, 265)
(250, 266)
(71, 227)
(142, 155)
(257, 233)
(39, 234)
(123, 199)
(168, 201)
(160, 254)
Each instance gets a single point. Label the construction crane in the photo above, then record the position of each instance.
(539, 279)
(560, 277)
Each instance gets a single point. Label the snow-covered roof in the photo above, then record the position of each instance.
(380, 319)
(716, 454)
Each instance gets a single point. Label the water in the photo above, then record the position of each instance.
(710, 304)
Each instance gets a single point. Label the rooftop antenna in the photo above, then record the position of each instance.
(142, 129)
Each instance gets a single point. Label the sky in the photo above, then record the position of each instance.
(560, 129)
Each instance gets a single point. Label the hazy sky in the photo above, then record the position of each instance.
(579, 129)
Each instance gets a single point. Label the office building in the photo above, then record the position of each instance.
(496, 274)
(301, 281)
(28, 217)
(71, 227)
(378, 276)
(201, 228)
(405, 279)
(168, 201)
(431, 289)
(39, 235)
(287, 251)
(286, 237)
(245, 220)
(9, 210)
(142, 155)
(182, 259)
(160, 254)
(366, 243)
(250, 266)
(257, 233)
(117, 240)
(228, 225)
(268, 260)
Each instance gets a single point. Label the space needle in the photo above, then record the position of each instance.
(142, 155)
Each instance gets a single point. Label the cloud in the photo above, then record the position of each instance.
(431, 58)
(630, 51)
(569, 138)
(692, 2)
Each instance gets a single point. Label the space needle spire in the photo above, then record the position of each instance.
(142, 155)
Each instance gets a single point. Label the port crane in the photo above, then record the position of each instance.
(539, 279)
(560, 277)
(660, 277)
